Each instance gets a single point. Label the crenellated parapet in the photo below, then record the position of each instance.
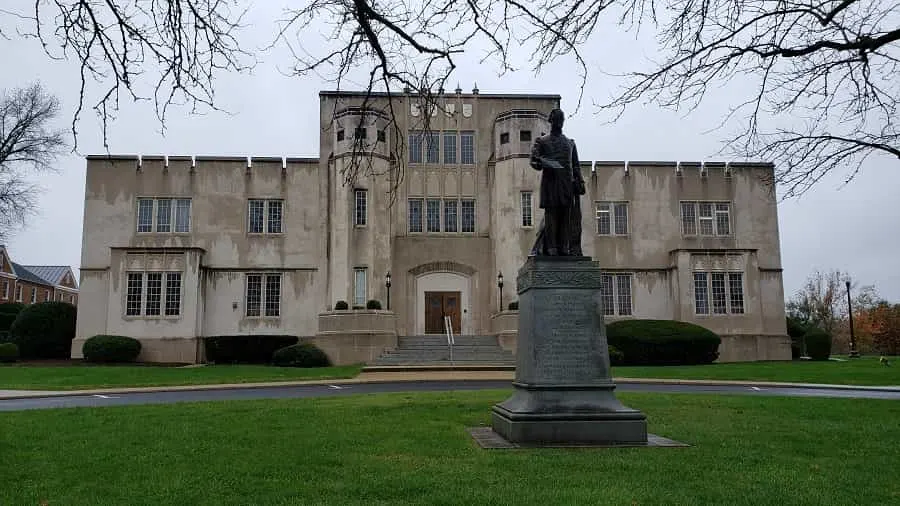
(712, 169)
(192, 163)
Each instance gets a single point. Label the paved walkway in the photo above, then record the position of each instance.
(419, 376)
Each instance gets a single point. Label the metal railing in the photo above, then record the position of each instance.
(448, 330)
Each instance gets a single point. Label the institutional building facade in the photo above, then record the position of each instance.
(176, 248)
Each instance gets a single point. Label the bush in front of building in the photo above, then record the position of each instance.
(111, 349)
(616, 357)
(373, 304)
(514, 305)
(9, 352)
(341, 305)
(818, 343)
(663, 342)
(251, 349)
(8, 313)
(45, 330)
(796, 329)
(300, 355)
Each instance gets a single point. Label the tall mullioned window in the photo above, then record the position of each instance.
(718, 293)
(467, 148)
(433, 215)
(153, 294)
(612, 218)
(450, 147)
(467, 215)
(263, 295)
(163, 215)
(451, 216)
(265, 216)
(359, 287)
(414, 215)
(525, 200)
(615, 294)
(361, 205)
(706, 218)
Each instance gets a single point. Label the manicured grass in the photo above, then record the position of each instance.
(28, 377)
(413, 449)
(858, 371)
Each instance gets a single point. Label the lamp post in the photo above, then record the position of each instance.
(500, 287)
(387, 283)
(853, 352)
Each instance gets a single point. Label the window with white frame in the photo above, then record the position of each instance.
(612, 218)
(706, 218)
(265, 216)
(451, 216)
(359, 287)
(525, 199)
(144, 294)
(6, 290)
(467, 206)
(18, 293)
(433, 215)
(415, 147)
(263, 295)
(467, 148)
(360, 207)
(414, 216)
(615, 294)
(46, 295)
(718, 293)
(164, 215)
(33, 295)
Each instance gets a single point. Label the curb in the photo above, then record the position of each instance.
(417, 377)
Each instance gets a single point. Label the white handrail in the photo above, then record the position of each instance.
(448, 330)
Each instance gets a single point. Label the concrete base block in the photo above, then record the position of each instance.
(627, 427)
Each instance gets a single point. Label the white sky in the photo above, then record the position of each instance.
(853, 228)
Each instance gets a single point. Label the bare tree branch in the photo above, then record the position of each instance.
(26, 142)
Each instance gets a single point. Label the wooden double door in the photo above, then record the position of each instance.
(437, 306)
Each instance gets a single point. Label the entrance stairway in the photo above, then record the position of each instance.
(432, 351)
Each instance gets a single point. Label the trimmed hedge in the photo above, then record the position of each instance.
(45, 330)
(107, 348)
(9, 352)
(373, 304)
(341, 305)
(616, 357)
(11, 307)
(8, 313)
(818, 343)
(256, 349)
(663, 342)
(300, 355)
(513, 306)
(795, 330)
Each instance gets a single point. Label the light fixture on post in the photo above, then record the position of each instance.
(853, 351)
(500, 287)
(387, 283)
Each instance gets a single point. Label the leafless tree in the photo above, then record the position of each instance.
(26, 142)
(822, 301)
(821, 73)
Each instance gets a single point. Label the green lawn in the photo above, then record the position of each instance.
(413, 449)
(30, 377)
(859, 371)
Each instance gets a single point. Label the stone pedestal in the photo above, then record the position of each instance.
(563, 387)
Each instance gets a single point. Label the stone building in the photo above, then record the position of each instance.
(176, 248)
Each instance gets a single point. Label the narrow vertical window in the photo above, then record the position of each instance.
(468, 216)
(723, 221)
(623, 294)
(19, 295)
(604, 223)
(504, 138)
(33, 295)
(6, 289)
(274, 221)
(153, 306)
(359, 133)
(717, 282)
(256, 216)
(688, 218)
(525, 206)
(361, 207)
(382, 137)
(451, 216)
(340, 135)
(254, 294)
(450, 148)
(433, 147)
(433, 215)
(607, 300)
(145, 215)
(621, 217)
(736, 292)
(273, 295)
(415, 147)
(134, 290)
(706, 218)
(359, 287)
(183, 215)
(524, 135)
(173, 294)
(701, 294)
(164, 215)
(467, 147)
(415, 215)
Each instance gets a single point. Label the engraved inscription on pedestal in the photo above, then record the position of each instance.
(564, 348)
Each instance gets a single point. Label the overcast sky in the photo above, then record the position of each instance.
(853, 228)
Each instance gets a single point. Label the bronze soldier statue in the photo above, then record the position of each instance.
(562, 184)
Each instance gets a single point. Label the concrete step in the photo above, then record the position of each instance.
(438, 366)
(433, 349)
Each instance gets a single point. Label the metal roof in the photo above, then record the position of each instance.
(24, 274)
(51, 274)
